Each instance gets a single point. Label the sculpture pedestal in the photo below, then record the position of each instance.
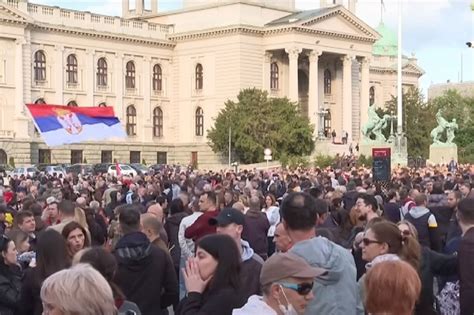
(365, 147)
(398, 152)
(443, 153)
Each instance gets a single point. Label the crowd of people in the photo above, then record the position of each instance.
(268, 242)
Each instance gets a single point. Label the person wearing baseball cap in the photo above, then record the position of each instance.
(287, 285)
(231, 222)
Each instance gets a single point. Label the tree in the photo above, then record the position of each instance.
(418, 121)
(258, 122)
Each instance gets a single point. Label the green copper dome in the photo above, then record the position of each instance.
(387, 44)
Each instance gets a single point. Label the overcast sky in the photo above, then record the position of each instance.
(435, 30)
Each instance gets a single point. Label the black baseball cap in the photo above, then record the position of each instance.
(228, 216)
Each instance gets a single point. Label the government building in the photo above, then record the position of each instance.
(168, 74)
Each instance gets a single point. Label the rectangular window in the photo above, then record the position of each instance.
(162, 157)
(194, 159)
(76, 156)
(44, 156)
(135, 157)
(106, 157)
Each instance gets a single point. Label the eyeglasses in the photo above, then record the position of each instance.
(302, 288)
(367, 242)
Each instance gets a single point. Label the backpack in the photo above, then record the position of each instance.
(448, 299)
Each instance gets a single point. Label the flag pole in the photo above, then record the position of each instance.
(399, 73)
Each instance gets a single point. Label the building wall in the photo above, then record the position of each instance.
(464, 88)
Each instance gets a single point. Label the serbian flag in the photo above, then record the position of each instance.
(60, 125)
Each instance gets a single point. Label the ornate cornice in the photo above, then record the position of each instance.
(394, 71)
(307, 30)
(217, 32)
(102, 35)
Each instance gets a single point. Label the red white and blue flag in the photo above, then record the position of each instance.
(60, 124)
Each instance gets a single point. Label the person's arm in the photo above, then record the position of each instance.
(442, 264)
(433, 230)
(9, 295)
(170, 293)
(185, 250)
(26, 302)
(196, 229)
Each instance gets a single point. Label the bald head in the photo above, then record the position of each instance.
(254, 203)
(81, 202)
(157, 211)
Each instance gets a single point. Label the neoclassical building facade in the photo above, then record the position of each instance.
(168, 74)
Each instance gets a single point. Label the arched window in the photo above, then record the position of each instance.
(131, 121)
(40, 66)
(199, 77)
(72, 103)
(157, 78)
(102, 104)
(130, 75)
(102, 72)
(327, 81)
(371, 95)
(40, 101)
(274, 76)
(199, 122)
(157, 122)
(71, 69)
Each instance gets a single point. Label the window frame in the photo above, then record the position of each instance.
(102, 72)
(71, 69)
(274, 76)
(157, 80)
(327, 82)
(131, 125)
(199, 122)
(130, 72)
(199, 77)
(157, 122)
(40, 66)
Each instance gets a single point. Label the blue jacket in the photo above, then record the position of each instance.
(336, 292)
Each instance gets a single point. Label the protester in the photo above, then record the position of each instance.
(201, 227)
(52, 256)
(256, 228)
(392, 211)
(273, 215)
(212, 278)
(76, 238)
(79, 290)
(287, 283)
(389, 293)
(105, 263)
(10, 277)
(336, 291)
(25, 221)
(465, 216)
(425, 222)
(145, 272)
(172, 224)
(153, 229)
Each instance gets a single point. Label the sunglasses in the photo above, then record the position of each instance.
(302, 288)
(367, 242)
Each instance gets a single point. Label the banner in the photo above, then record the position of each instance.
(60, 124)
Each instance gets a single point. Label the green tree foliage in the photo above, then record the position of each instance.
(258, 122)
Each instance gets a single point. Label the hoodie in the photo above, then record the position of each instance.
(336, 291)
(426, 225)
(250, 271)
(255, 305)
(143, 271)
(172, 229)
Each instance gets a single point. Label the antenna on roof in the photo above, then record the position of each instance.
(382, 10)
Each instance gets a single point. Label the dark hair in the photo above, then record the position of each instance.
(211, 196)
(22, 215)
(224, 249)
(66, 207)
(370, 200)
(18, 236)
(392, 193)
(129, 218)
(420, 199)
(51, 255)
(36, 209)
(437, 188)
(176, 206)
(71, 226)
(406, 247)
(466, 210)
(315, 192)
(272, 197)
(322, 206)
(4, 241)
(105, 263)
(299, 211)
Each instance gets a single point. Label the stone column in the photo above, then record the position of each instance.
(293, 54)
(125, 7)
(91, 74)
(267, 61)
(154, 6)
(59, 76)
(347, 96)
(119, 87)
(19, 82)
(313, 99)
(139, 7)
(364, 92)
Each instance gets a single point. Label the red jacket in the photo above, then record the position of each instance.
(201, 226)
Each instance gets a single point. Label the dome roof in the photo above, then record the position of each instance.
(387, 45)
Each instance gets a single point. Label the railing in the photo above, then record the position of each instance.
(96, 22)
(13, 3)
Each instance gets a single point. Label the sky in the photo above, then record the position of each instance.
(436, 31)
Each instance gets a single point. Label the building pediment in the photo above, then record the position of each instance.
(333, 20)
(12, 15)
